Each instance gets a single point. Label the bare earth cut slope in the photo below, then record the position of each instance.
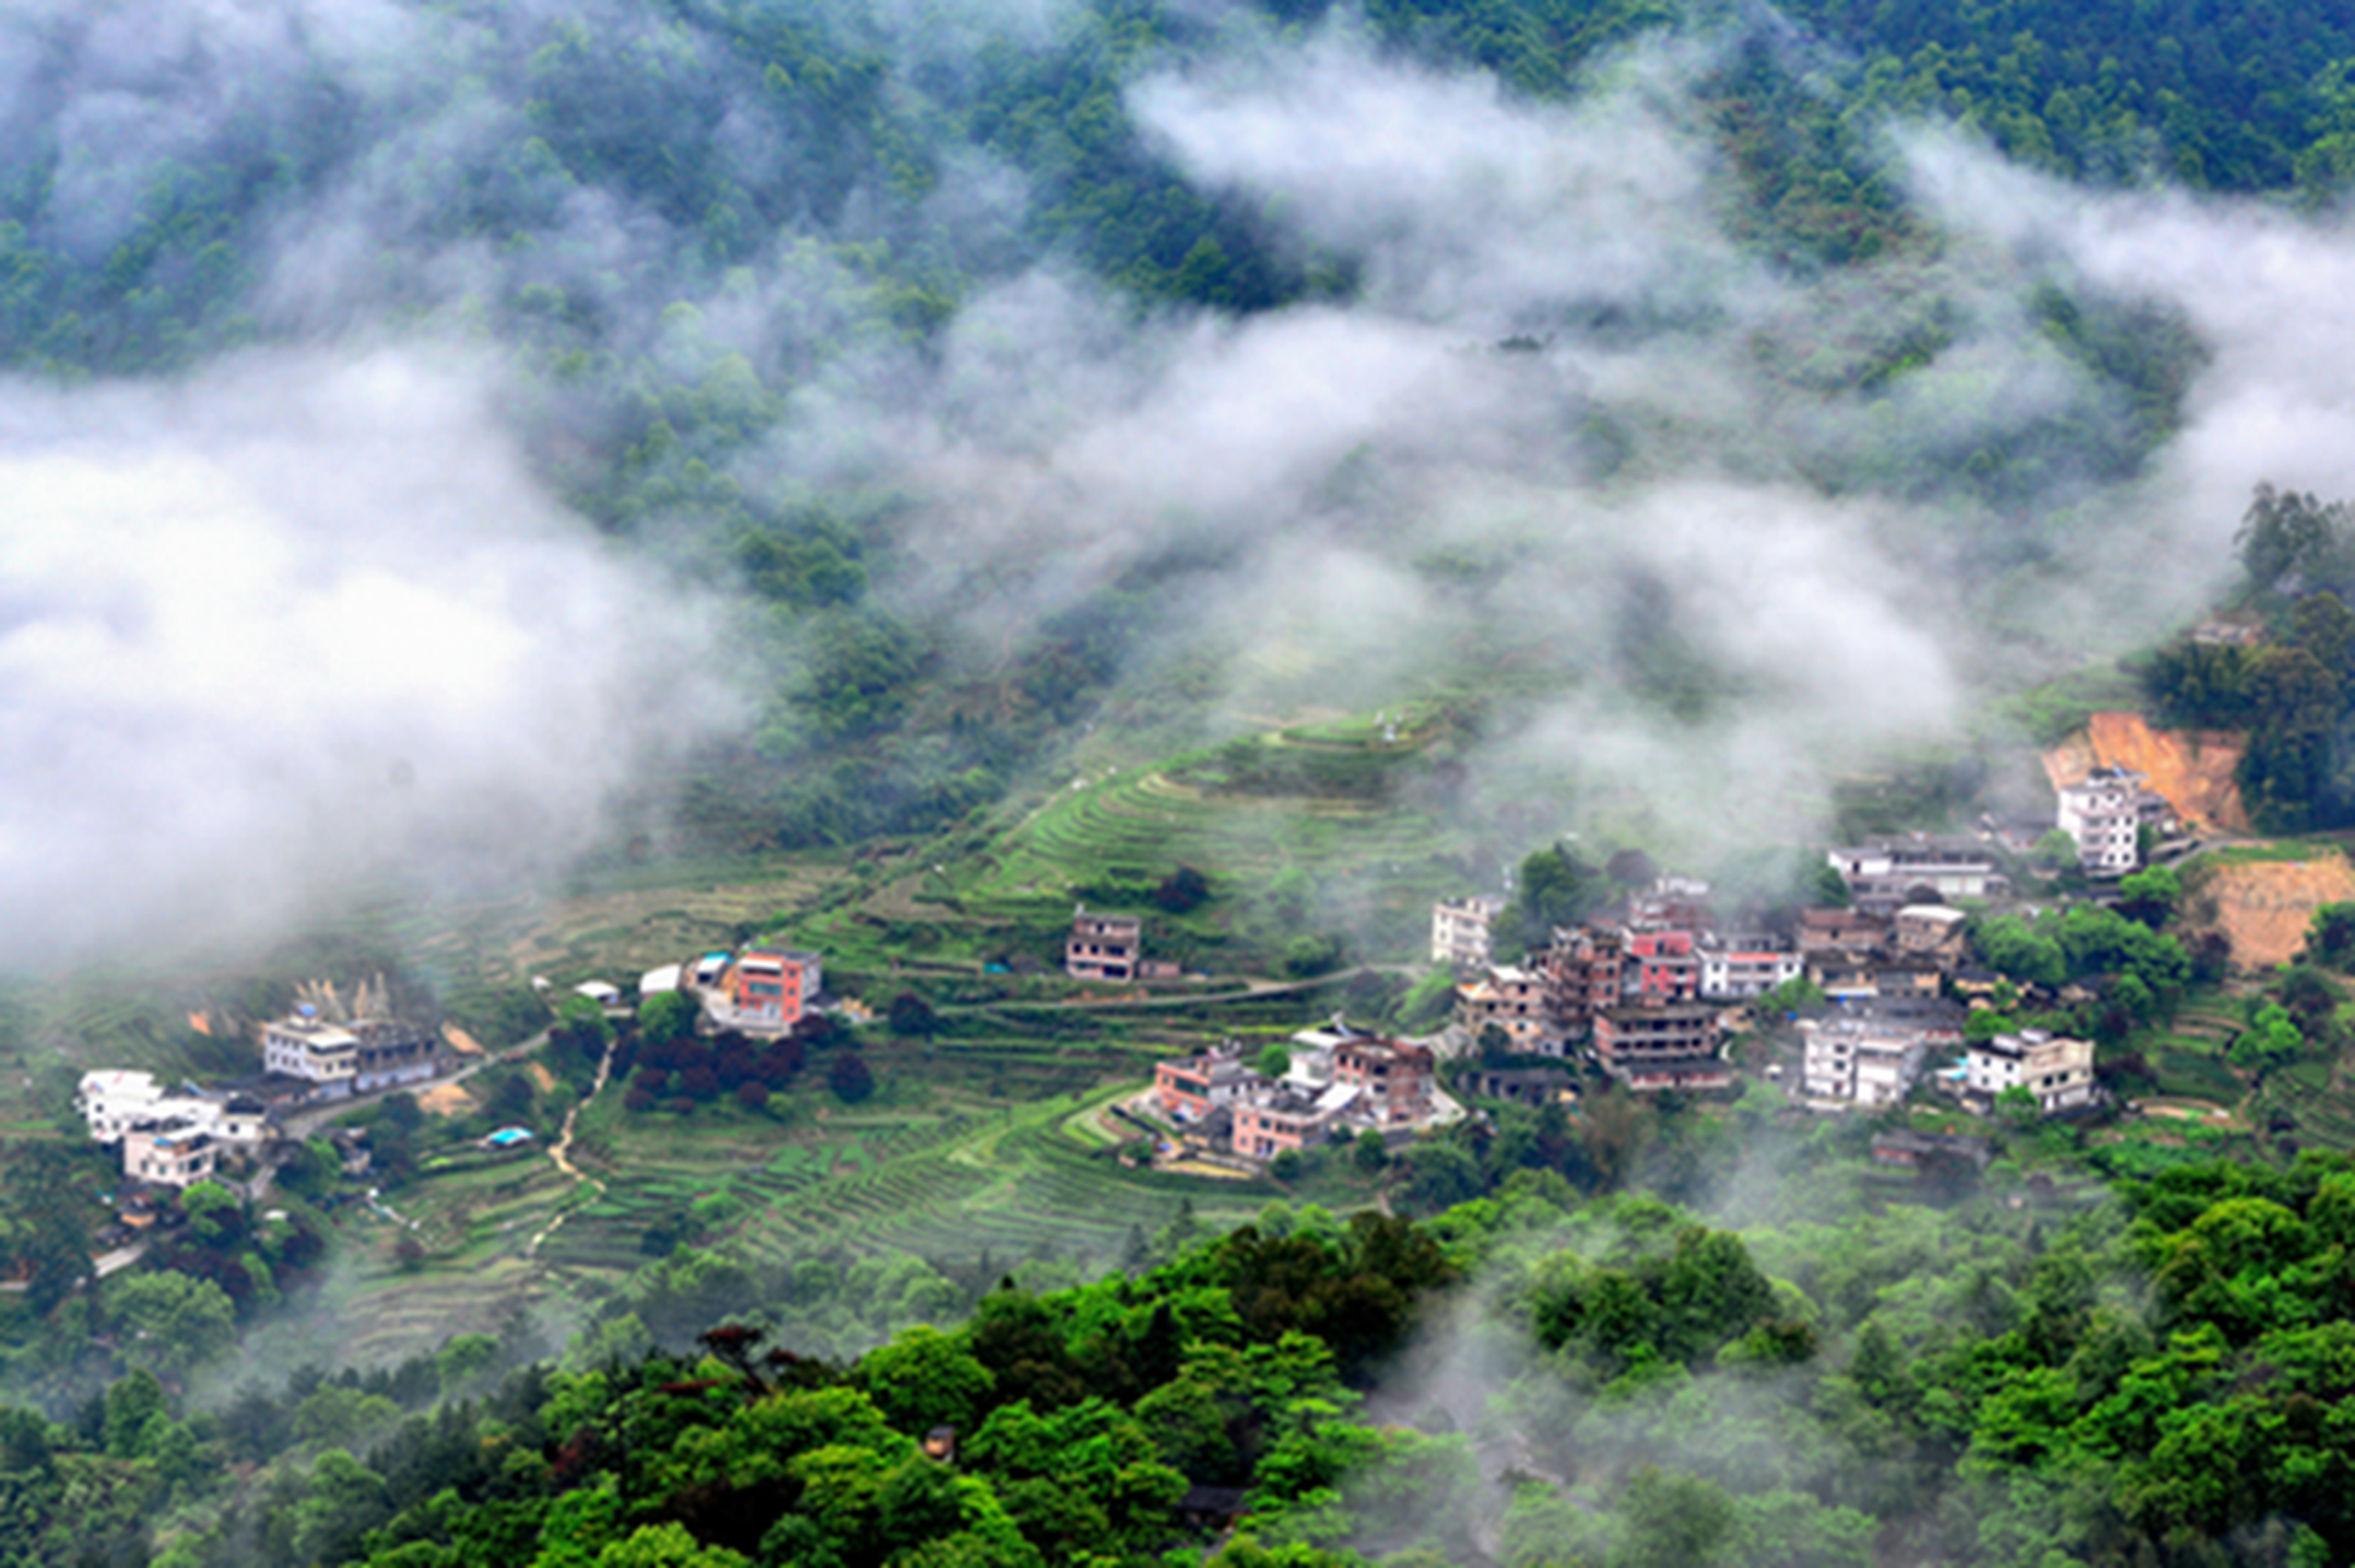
(2193, 769)
(2264, 907)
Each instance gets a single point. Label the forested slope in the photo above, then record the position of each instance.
(1526, 1380)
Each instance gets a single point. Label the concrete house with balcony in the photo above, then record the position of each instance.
(1506, 997)
(766, 989)
(2104, 813)
(1885, 875)
(1393, 1079)
(1931, 931)
(1461, 931)
(2056, 1069)
(306, 1046)
(1662, 1045)
(1735, 969)
(1279, 1118)
(171, 1153)
(1581, 969)
(1104, 947)
(1190, 1089)
(1842, 931)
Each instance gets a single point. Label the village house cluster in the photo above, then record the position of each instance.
(329, 1048)
(1643, 986)
(1650, 989)
(169, 1136)
(1340, 1082)
(333, 1047)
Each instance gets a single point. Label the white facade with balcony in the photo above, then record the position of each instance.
(1461, 931)
(2057, 1070)
(1858, 1062)
(2105, 814)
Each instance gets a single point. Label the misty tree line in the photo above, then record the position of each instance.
(2293, 690)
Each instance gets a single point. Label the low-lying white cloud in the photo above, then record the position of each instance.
(290, 626)
(2270, 294)
(1469, 207)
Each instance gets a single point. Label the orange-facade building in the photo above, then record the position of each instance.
(772, 986)
(1190, 1088)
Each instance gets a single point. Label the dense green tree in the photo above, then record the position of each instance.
(848, 1078)
(169, 1322)
(924, 1379)
(2331, 939)
(667, 1016)
(2150, 895)
(2165, 1374)
(1675, 1522)
(1554, 887)
(2272, 1040)
(1182, 890)
(2019, 951)
(911, 1015)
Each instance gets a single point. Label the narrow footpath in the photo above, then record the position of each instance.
(560, 1151)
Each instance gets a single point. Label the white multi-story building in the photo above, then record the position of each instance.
(1860, 1062)
(1460, 930)
(1886, 874)
(1735, 971)
(174, 1153)
(114, 1101)
(2105, 814)
(304, 1047)
(2058, 1070)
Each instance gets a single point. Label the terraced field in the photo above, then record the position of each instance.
(937, 1166)
(1147, 821)
(1376, 863)
(1015, 1177)
(619, 926)
(2189, 1057)
(1333, 827)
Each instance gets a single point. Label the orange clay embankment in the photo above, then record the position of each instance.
(446, 1099)
(2264, 907)
(2192, 767)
